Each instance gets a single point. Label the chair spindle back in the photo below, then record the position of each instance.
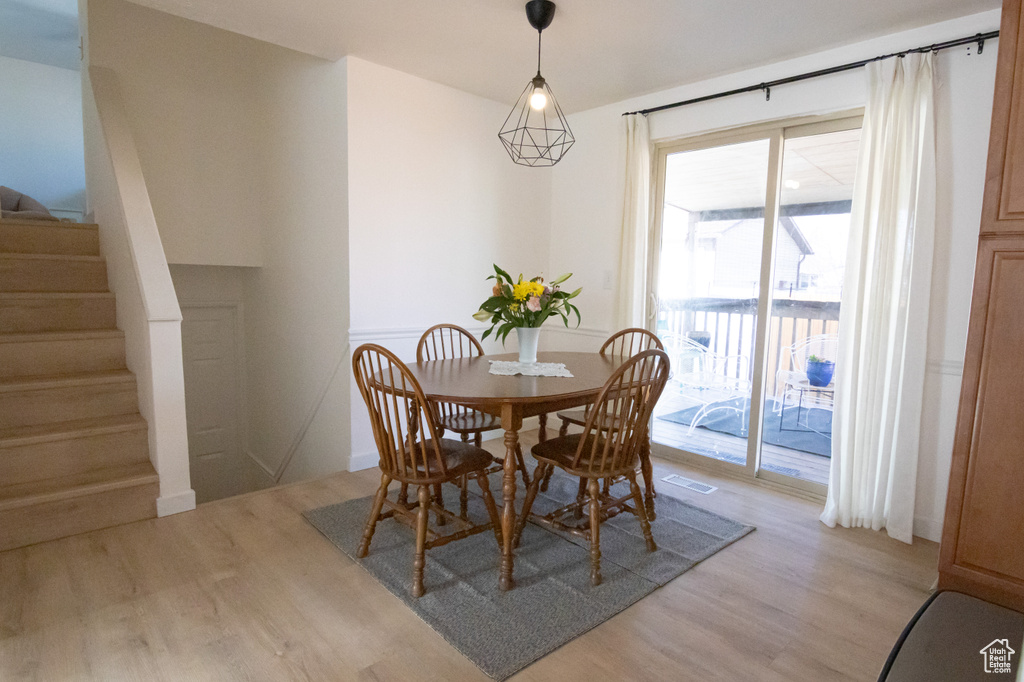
(616, 426)
(629, 342)
(443, 341)
(402, 419)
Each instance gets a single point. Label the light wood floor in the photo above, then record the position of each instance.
(245, 589)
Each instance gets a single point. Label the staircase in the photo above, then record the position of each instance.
(74, 452)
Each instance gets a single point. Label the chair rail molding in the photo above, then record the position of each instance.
(948, 367)
(358, 336)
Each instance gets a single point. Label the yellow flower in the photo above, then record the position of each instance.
(523, 290)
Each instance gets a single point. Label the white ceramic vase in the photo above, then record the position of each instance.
(528, 337)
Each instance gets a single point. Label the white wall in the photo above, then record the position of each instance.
(41, 148)
(191, 94)
(352, 186)
(297, 307)
(587, 197)
(243, 148)
(434, 200)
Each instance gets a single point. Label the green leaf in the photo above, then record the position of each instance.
(561, 279)
(504, 331)
(504, 274)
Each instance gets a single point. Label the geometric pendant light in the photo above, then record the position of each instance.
(536, 132)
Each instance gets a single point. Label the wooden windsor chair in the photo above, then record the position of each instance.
(627, 343)
(412, 452)
(445, 341)
(609, 447)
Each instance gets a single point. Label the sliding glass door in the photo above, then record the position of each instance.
(751, 231)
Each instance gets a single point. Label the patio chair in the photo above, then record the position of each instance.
(788, 381)
(406, 430)
(716, 382)
(609, 447)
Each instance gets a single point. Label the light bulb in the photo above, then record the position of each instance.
(538, 100)
(791, 184)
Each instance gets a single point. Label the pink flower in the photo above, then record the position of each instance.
(533, 303)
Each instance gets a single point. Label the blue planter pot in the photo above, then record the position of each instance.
(820, 373)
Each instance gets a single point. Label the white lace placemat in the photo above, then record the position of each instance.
(529, 369)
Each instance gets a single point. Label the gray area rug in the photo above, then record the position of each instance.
(553, 601)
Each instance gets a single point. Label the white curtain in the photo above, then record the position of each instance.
(632, 279)
(884, 315)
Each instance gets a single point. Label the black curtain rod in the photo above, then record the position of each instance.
(979, 38)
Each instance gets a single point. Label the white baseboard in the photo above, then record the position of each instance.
(365, 460)
(929, 529)
(175, 504)
(257, 475)
(368, 460)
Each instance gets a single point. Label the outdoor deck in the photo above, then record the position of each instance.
(722, 446)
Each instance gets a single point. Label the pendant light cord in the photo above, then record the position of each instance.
(539, 34)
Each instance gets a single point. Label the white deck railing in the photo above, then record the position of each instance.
(730, 322)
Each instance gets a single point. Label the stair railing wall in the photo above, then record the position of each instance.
(147, 306)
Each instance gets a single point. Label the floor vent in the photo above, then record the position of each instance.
(690, 484)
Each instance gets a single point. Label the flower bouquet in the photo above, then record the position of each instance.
(525, 304)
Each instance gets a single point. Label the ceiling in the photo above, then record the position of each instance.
(595, 51)
(816, 168)
(42, 31)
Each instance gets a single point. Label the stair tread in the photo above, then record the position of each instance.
(99, 480)
(28, 337)
(24, 295)
(43, 381)
(50, 256)
(22, 435)
(50, 223)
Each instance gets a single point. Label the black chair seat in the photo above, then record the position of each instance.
(459, 458)
(562, 451)
(579, 417)
(470, 422)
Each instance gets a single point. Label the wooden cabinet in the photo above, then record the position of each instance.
(982, 550)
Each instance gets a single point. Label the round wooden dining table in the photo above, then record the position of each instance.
(467, 381)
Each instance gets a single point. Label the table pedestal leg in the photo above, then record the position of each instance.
(648, 471)
(511, 422)
(508, 512)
